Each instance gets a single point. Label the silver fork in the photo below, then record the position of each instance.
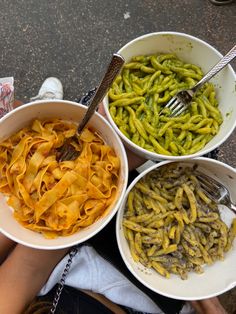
(182, 99)
(215, 190)
(67, 151)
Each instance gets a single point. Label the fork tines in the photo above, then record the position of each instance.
(215, 190)
(179, 102)
(176, 106)
(211, 188)
(67, 151)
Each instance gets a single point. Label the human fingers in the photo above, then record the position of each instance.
(212, 305)
(197, 307)
(208, 306)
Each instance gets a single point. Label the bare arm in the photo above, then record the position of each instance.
(6, 245)
(23, 274)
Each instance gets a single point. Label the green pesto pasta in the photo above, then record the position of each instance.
(141, 91)
(172, 226)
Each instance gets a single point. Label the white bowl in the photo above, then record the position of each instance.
(196, 51)
(70, 111)
(218, 277)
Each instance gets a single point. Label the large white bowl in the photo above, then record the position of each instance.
(192, 50)
(217, 278)
(70, 111)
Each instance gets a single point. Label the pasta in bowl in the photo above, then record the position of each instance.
(60, 203)
(159, 65)
(172, 237)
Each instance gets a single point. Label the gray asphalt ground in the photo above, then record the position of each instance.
(74, 40)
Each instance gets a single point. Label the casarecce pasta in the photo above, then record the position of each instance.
(51, 197)
(172, 226)
(139, 93)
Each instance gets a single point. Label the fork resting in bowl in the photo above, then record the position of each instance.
(216, 191)
(182, 99)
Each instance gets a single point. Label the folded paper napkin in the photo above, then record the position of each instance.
(6, 95)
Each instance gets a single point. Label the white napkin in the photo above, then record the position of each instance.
(91, 272)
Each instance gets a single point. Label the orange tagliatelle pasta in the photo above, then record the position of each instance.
(51, 197)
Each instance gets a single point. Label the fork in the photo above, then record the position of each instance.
(182, 99)
(67, 151)
(215, 190)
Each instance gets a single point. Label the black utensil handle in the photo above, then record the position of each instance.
(113, 69)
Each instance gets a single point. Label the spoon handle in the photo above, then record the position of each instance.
(113, 69)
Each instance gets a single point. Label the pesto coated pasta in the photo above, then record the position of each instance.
(140, 92)
(172, 226)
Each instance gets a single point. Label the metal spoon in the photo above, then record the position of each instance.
(67, 151)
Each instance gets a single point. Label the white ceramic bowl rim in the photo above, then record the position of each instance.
(119, 231)
(104, 220)
(152, 155)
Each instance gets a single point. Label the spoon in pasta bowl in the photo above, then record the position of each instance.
(68, 151)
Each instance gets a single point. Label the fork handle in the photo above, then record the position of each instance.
(112, 71)
(216, 68)
(233, 208)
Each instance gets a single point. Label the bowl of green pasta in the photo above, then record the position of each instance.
(172, 237)
(159, 65)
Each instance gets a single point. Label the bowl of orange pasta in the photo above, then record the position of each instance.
(49, 204)
(172, 236)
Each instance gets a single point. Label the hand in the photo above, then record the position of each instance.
(134, 161)
(208, 306)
